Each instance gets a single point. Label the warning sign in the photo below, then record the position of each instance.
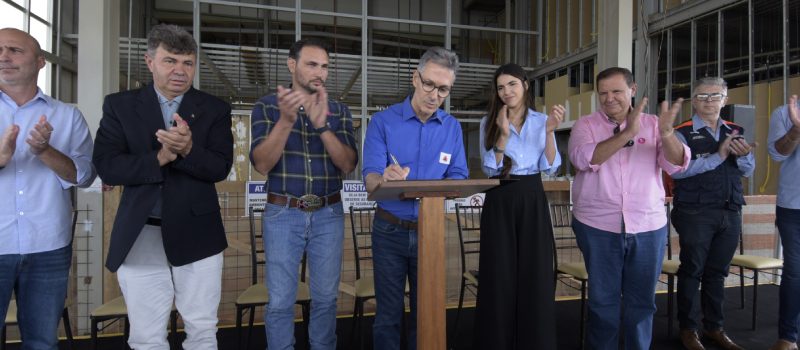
(354, 194)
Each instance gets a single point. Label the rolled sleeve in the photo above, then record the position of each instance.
(458, 165)
(546, 166)
(375, 151)
(260, 125)
(489, 163)
(80, 152)
(346, 134)
(699, 165)
(779, 125)
(746, 164)
(582, 146)
(670, 168)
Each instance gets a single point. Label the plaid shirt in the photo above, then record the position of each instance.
(305, 166)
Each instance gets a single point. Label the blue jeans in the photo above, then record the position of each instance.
(394, 258)
(287, 233)
(623, 272)
(708, 238)
(39, 281)
(788, 221)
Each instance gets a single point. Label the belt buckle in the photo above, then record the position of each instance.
(309, 202)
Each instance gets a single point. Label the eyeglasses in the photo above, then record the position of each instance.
(709, 97)
(428, 86)
(616, 131)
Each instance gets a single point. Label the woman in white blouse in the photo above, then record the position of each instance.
(515, 308)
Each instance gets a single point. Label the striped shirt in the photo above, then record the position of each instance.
(305, 166)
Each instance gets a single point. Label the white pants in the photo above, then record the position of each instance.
(150, 284)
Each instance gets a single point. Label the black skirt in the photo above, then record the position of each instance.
(516, 300)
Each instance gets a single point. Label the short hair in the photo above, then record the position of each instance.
(175, 39)
(37, 48)
(294, 50)
(609, 72)
(712, 81)
(440, 56)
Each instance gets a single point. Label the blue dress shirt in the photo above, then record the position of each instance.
(700, 165)
(788, 183)
(36, 211)
(525, 147)
(168, 108)
(432, 150)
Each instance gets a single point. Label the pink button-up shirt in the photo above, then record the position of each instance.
(626, 187)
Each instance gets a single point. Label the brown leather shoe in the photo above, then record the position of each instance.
(690, 340)
(719, 337)
(783, 345)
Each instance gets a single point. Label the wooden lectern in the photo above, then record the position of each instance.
(431, 327)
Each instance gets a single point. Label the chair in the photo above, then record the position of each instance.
(257, 294)
(564, 240)
(669, 267)
(757, 264)
(11, 319)
(468, 220)
(115, 310)
(361, 229)
(11, 313)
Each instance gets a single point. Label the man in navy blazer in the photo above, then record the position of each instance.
(167, 144)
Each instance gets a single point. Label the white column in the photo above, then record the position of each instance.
(615, 34)
(98, 75)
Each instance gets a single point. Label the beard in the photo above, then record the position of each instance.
(311, 89)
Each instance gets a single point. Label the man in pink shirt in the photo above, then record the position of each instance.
(619, 218)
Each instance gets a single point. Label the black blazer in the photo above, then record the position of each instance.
(125, 149)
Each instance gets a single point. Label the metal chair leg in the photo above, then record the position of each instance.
(755, 297)
(741, 286)
(453, 334)
(94, 333)
(3, 338)
(670, 297)
(173, 326)
(250, 321)
(583, 312)
(68, 329)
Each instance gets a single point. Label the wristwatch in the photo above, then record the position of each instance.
(498, 150)
(324, 128)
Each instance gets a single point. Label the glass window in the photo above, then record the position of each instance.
(42, 8)
(681, 61)
(706, 35)
(41, 32)
(10, 17)
(735, 45)
(794, 37)
(44, 78)
(661, 77)
(767, 40)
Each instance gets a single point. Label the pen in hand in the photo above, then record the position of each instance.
(404, 171)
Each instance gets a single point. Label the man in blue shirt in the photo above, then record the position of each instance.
(783, 138)
(45, 151)
(304, 143)
(412, 140)
(708, 200)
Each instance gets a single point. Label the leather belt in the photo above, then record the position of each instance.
(153, 221)
(309, 202)
(390, 218)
